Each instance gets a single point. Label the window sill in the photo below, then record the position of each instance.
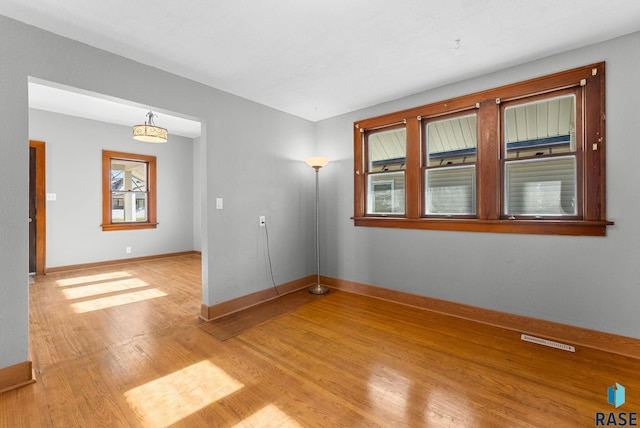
(128, 226)
(537, 227)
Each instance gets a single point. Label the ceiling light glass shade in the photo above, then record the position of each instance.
(317, 161)
(149, 132)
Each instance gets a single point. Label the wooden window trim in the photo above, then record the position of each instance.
(593, 222)
(151, 223)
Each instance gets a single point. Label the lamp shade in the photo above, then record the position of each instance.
(149, 132)
(317, 161)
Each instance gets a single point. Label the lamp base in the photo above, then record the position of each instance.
(318, 289)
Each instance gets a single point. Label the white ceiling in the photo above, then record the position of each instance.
(51, 97)
(320, 58)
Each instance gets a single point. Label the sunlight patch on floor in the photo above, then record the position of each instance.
(120, 299)
(269, 416)
(103, 288)
(166, 400)
(78, 280)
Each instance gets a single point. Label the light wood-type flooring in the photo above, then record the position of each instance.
(122, 346)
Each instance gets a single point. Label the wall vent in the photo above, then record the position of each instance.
(546, 342)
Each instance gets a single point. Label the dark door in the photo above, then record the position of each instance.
(32, 210)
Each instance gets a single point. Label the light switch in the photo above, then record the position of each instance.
(51, 196)
(218, 203)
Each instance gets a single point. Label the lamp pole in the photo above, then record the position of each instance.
(316, 164)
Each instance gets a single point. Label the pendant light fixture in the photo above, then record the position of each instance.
(149, 132)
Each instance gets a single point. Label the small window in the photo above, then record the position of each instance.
(128, 193)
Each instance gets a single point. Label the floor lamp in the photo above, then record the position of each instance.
(317, 163)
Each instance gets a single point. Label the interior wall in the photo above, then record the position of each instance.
(251, 156)
(262, 152)
(591, 282)
(74, 173)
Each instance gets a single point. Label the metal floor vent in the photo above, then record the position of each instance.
(546, 342)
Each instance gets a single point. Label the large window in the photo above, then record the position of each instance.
(128, 191)
(523, 158)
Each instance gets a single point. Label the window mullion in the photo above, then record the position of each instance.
(413, 175)
(489, 188)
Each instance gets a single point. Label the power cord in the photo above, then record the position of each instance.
(266, 231)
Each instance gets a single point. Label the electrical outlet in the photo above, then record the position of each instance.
(262, 220)
(128, 250)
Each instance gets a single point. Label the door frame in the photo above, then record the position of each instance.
(41, 206)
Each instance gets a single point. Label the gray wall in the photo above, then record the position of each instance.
(592, 282)
(249, 154)
(74, 173)
(261, 151)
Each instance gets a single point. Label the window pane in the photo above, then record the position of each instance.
(451, 190)
(387, 150)
(452, 141)
(128, 207)
(128, 175)
(541, 187)
(386, 193)
(541, 127)
(117, 207)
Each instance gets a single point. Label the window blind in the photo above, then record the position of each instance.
(541, 187)
(451, 190)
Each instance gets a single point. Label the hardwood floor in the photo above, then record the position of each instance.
(123, 346)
